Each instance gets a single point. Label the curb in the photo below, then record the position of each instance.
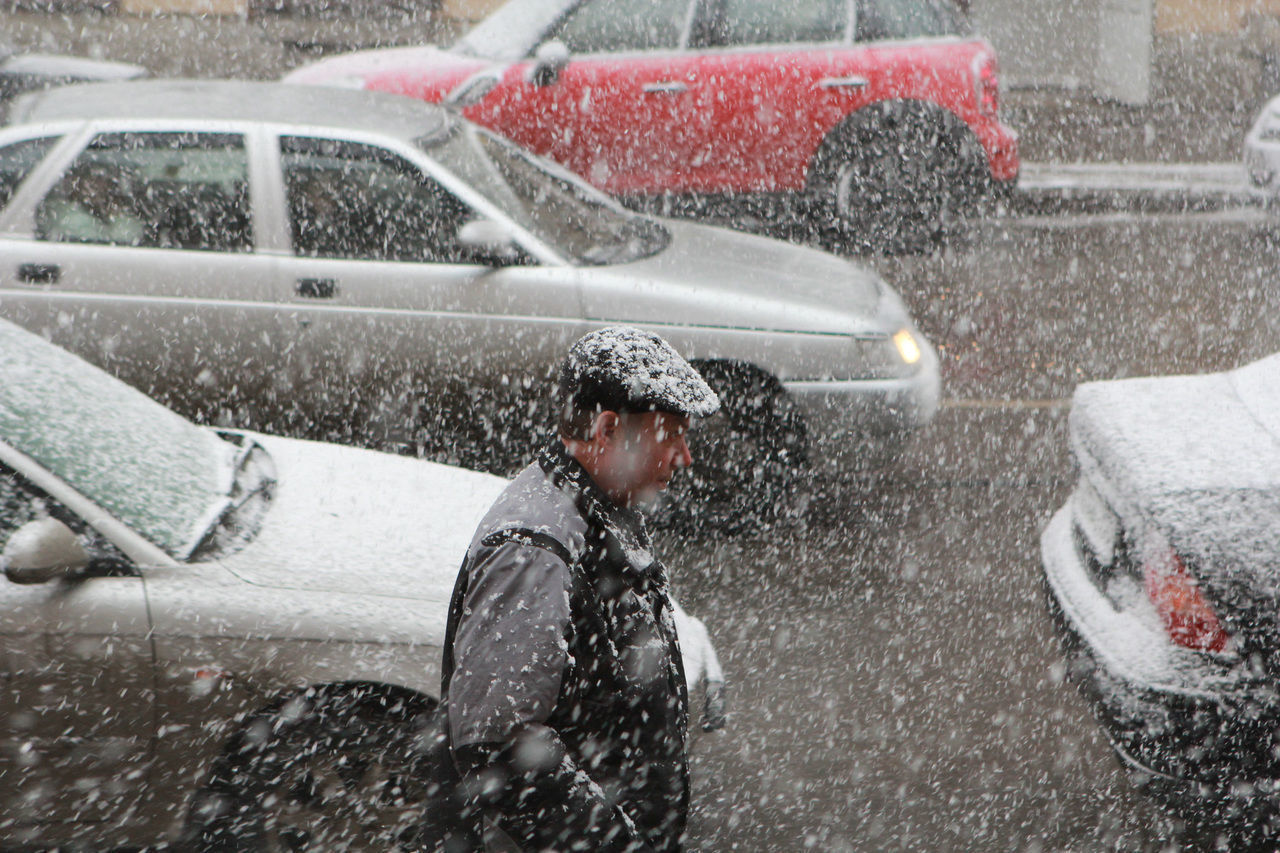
(1056, 188)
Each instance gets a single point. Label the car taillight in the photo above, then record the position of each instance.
(1187, 616)
(986, 85)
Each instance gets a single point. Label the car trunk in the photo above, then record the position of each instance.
(1181, 491)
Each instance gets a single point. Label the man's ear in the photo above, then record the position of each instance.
(605, 426)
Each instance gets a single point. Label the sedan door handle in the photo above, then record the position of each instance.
(666, 87)
(317, 288)
(851, 82)
(39, 273)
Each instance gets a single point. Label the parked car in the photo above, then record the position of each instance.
(1162, 572)
(374, 270)
(27, 72)
(1262, 149)
(194, 618)
(883, 112)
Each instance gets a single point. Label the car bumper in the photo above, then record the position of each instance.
(859, 423)
(1001, 144)
(1196, 730)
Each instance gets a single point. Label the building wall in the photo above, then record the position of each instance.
(1182, 17)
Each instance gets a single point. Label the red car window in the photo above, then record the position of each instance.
(770, 22)
(906, 19)
(624, 25)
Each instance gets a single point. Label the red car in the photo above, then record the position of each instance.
(885, 112)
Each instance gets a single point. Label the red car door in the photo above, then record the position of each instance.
(777, 77)
(625, 111)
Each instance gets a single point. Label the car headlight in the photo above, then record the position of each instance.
(907, 346)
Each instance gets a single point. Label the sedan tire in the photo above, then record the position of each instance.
(748, 460)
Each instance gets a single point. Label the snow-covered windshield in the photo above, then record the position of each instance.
(512, 31)
(161, 475)
(580, 222)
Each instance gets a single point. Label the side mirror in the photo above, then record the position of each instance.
(549, 60)
(489, 239)
(41, 550)
(472, 90)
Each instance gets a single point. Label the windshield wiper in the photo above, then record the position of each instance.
(252, 487)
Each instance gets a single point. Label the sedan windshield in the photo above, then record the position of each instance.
(161, 475)
(580, 222)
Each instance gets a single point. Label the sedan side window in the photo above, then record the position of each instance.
(607, 26)
(153, 190)
(17, 161)
(361, 202)
(749, 22)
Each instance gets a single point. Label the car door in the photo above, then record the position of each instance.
(623, 112)
(406, 335)
(778, 77)
(76, 686)
(137, 252)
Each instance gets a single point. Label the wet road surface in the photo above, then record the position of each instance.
(894, 680)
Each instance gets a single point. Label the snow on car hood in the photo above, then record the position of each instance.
(365, 63)
(730, 279)
(346, 520)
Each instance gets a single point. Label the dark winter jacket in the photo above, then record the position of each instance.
(562, 677)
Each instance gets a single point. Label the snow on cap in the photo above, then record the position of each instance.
(619, 368)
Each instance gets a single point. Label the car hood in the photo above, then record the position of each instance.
(729, 279)
(345, 519)
(1198, 457)
(365, 64)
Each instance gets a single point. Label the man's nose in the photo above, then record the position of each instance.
(683, 457)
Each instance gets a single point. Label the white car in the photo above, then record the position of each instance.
(1262, 149)
(1161, 571)
(191, 616)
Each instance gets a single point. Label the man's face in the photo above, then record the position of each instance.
(642, 455)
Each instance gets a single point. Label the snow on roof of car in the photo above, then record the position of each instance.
(234, 100)
(151, 469)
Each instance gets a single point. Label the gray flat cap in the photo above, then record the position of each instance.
(623, 369)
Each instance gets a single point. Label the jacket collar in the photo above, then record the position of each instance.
(626, 526)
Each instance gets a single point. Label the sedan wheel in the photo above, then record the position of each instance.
(329, 771)
(748, 460)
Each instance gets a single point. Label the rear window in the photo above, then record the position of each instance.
(17, 161)
(908, 19)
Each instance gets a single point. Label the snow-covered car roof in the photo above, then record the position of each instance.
(235, 100)
(157, 472)
(57, 65)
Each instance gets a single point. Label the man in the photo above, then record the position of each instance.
(562, 679)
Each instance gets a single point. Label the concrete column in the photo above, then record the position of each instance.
(1124, 45)
(1046, 43)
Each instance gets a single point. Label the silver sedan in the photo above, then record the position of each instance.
(219, 632)
(371, 269)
